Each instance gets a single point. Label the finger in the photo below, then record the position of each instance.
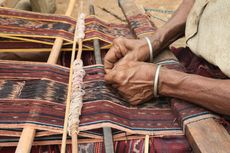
(110, 59)
(118, 49)
(110, 77)
(120, 43)
(129, 43)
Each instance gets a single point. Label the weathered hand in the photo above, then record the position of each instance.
(128, 49)
(134, 80)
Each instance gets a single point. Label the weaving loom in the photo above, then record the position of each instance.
(101, 107)
(21, 33)
(37, 88)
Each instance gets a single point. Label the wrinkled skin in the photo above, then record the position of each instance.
(126, 76)
(117, 61)
(128, 50)
(126, 70)
(123, 69)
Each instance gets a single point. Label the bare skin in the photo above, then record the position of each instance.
(137, 50)
(127, 70)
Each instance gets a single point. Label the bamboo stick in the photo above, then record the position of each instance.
(147, 144)
(26, 140)
(28, 134)
(55, 52)
(74, 134)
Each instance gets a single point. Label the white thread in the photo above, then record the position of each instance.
(76, 97)
(80, 28)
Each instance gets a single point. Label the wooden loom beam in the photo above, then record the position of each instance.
(28, 134)
(205, 136)
(208, 136)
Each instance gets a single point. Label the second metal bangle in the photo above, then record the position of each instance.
(150, 49)
(156, 81)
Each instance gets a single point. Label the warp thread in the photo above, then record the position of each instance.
(77, 96)
(80, 29)
(77, 81)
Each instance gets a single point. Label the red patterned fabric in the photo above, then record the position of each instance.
(177, 144)
(170, 145)
(197, 65)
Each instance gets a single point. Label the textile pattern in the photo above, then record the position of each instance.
(31, 90)
(196, 65)
(176, 144)
(21, 27)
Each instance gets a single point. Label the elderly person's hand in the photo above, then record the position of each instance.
(129, 50)
(134, 80)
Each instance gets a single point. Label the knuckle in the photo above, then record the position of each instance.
(118, 40)
(121, 79)
(115, 41)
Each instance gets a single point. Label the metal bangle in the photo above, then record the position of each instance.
(156, 81)
(150, 49)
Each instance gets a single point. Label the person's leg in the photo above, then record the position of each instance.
(23, 5)
(43, 6)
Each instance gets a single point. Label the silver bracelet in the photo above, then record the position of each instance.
(150, 49)
(156, 81)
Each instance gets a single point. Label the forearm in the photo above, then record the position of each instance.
(213, 94)
(174, 28)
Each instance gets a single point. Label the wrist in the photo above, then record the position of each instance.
(156, 81)
(157, 41)
(170, 82)
(144, 50)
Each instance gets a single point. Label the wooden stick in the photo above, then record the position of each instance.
(64, 136)
(74, 143)
(74, 134)
(108, 140)
(26, 140)
(55, 52)
(28, 133)
(147, 144)
(208, 136)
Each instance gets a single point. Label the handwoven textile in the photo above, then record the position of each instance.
(140, 24)
(43, 28)
(157, 145)
(29, 91)
(37, 88)
(199, 66)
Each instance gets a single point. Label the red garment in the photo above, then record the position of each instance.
(197, 65)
